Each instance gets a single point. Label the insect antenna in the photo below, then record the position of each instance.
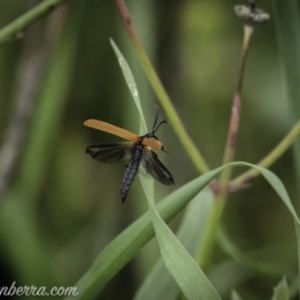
(155, 128)
(156, 118)
(162, 122)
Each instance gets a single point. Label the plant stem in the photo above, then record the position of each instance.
(219, 204)
(267, 161)
(229, 152)
(209, 236)
(161, 93)
(16, 29)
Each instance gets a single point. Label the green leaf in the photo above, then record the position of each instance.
(126, 245)
(49, 112)
(281, 291)
(287, 25)
(182, 267)
(281, 191)
(192, 281)
(189, 277)
(131, 84)
(19, 216)
(159, 283)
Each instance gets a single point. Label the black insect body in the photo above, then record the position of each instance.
(131, 169)
(137, 151)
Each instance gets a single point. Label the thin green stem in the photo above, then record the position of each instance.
(161, 93)
(16, 29)
(230, 147)
(209, 237)
(267, 161)
(240, 181)
(219, 204)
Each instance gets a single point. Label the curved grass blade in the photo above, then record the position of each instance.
(183, 268)
(192, 281)
(159, 284)
(186, 272)
(279, 188)
(190, 278)
(126, 245)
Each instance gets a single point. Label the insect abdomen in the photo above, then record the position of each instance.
(131, 170)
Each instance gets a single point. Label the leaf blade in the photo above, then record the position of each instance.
(159, 284)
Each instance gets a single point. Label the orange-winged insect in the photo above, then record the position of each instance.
(137, 151)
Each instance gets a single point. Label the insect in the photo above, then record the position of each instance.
(136, 150)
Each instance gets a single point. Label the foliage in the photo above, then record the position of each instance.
(61, 218)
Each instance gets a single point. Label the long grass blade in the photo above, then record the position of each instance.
(127, 244)
(131, 84)
(159, 284)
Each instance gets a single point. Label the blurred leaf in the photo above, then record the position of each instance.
(235, 295)
(287, 24)
(22, 200)
(228, 274)
(281, 291)
(281, 191)
(50, 109)
(159, 284)
(286, 15)
(267, 269)
(293, 287)
(21, 243)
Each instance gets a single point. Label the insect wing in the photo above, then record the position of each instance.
(123, 133)
(112, 129)
(110, 153)
(155, 167)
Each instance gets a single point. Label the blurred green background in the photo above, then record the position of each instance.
(61, 207)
